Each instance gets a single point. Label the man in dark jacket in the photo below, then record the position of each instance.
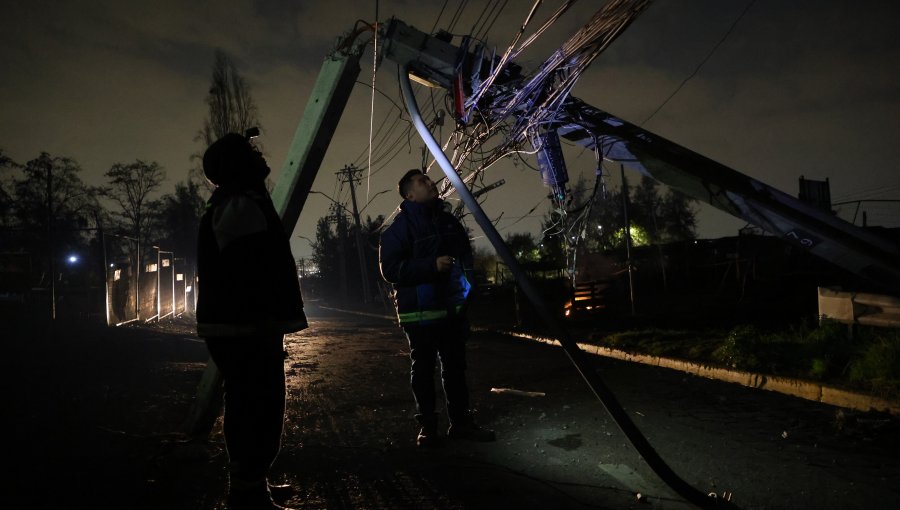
(425, 254)
(249, 298)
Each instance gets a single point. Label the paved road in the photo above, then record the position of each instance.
(349, 437)
(93, 410)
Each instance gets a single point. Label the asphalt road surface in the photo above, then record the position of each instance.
(350, 416)
(93, 416)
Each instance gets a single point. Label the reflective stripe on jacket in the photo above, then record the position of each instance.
(408, 252)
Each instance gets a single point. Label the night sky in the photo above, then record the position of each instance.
(801, 87)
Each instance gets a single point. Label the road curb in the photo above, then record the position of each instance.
(785, 385)
(788, 386)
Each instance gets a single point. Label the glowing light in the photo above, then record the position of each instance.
(72, 259)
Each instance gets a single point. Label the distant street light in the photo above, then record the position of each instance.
(72, 259)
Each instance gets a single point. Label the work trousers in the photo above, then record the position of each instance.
(253, 370)
(447, 342)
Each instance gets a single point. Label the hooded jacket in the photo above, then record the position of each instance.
(247, 279)
(409, 247)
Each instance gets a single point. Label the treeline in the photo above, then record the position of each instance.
(46, 209)
(343, 256)
(591, 221)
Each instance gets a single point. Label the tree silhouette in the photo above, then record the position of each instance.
(6, 190)
(179, 219)
(52, 208)
(230, 108)
(51, 195)
(130, 187)
(679, 217)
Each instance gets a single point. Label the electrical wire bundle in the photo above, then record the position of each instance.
(537, 103)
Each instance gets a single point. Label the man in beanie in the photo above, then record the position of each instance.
(425, 254)
(249, 298)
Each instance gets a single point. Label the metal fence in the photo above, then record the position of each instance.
(869, 212)
(145, 283)
(92, 275)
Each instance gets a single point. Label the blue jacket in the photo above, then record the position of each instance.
(407, 256)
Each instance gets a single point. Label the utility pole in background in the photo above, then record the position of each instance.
(627, 238)
(50, 244)
(350, 175)
(301, 269)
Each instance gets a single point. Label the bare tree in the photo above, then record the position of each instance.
(179, 218)
(130, 187)
(51, 195)
(52, 208)
(230, 108)
(6, 187)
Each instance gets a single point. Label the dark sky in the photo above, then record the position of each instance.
(800, 87)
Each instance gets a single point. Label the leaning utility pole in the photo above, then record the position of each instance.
(310, 143)
(350, 174)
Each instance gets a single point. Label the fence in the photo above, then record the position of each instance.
(145, 283)
(89, 274)
(869, 212)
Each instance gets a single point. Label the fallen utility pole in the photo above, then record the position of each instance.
(575, 354)
(430, 61)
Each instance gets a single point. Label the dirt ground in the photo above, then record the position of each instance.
(96, 410)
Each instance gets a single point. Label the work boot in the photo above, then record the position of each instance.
(428, 435)
(466, 428)
(280, 492)
(251, 495)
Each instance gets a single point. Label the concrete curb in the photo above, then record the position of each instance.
(788, 386)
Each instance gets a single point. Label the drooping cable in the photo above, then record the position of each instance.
(457, 15)
(503, 60)
(552, 19)
(483, 19)
(578, 357)
(439, 16)
(700, 65)
(482, 34)
(372, 105)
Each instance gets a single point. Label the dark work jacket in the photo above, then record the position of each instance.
(408, 251)
(247, 279)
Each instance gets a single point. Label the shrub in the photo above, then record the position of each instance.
(830, 349)
(878, 367)
(740, 348)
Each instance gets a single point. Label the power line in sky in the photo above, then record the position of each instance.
(700, 65)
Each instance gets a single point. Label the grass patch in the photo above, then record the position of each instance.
(868, 359)
(878, 366)
(690, 345)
